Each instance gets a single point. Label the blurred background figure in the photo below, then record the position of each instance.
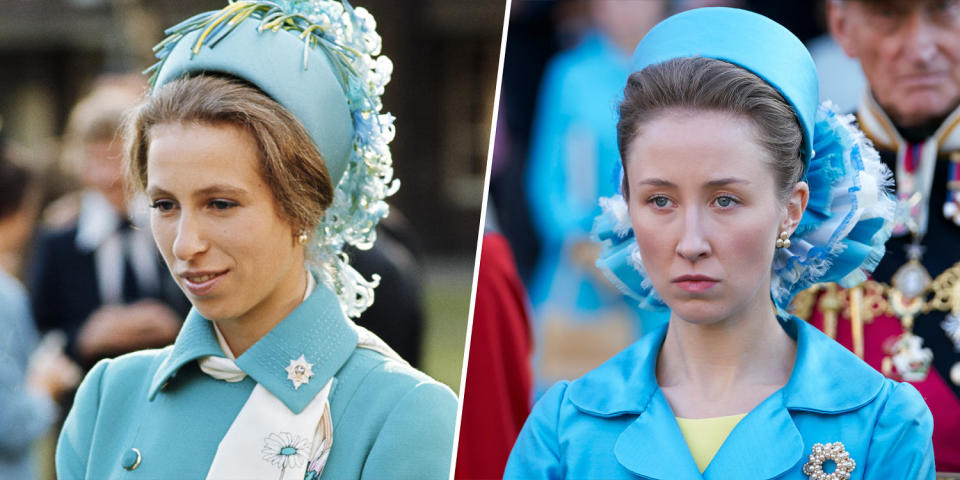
(573, 162)
(99, 278)
(905, 322)
(398, 315)
(32, 379)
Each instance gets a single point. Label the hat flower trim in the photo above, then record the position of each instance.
(840, 237)
(348, 38)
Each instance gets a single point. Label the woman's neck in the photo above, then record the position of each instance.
(241, 333)
(725, 367)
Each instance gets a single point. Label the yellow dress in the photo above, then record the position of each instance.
(705, 435)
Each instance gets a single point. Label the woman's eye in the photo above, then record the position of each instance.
(163, 205)
(725, 201)
(222, 204)
(659, 201)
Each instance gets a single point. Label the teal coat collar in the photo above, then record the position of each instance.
(316, 329)
(627, 384)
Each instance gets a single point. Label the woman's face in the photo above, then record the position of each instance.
(217, 224)
(705, 212)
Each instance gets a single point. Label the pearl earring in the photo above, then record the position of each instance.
(784, 240)
(302, 237)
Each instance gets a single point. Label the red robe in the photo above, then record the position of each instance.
(496, 398)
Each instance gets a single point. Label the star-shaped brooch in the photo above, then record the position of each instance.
(299, 372)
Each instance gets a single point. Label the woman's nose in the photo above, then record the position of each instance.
(693, 244)
(189, 241)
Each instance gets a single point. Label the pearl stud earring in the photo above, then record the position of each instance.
(784, 240)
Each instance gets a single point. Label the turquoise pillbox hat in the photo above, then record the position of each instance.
(745, 39)
(276, 61)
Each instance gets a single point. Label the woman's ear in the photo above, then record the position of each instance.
(796, 205)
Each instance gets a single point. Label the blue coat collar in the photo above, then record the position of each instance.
(627, 384)
(316, 329)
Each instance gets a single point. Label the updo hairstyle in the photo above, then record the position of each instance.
(290, 163)
(698, 83)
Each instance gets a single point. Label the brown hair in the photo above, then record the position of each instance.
(289, 161)
(698, 83)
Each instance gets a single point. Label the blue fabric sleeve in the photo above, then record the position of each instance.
(902, 444)
(536, 455)
(24, 415)
(74, 445)
(416, 440)
(550, 207)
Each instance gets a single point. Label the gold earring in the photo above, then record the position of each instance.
(784, 240)
(302, 237)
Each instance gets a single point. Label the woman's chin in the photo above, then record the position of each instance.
(698, 312)
(213, 310)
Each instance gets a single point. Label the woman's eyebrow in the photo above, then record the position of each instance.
(154, 190)
(219, 189)
(657, 182)
(722, 182)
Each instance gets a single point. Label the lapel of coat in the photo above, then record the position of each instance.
(653, 446)
(764, 444)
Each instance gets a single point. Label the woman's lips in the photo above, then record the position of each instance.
(695, 283)
(202, 283)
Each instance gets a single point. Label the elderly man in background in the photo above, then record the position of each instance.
(906, 320)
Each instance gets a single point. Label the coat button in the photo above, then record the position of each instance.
(131, 459)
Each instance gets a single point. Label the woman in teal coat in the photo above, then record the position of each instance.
(738, 189)
(262, 151)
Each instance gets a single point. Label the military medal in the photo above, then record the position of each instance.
(910, 358)
(951, 208)
(912, 279)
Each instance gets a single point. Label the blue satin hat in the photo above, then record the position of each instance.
(276, 61)
(746, 39)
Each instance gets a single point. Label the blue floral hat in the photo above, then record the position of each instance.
(321, 60)
(848, 219)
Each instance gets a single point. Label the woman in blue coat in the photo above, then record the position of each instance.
(262, 151)
(738, 189)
